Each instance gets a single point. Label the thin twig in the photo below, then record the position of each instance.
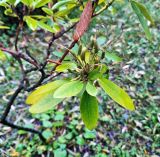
(74, 42)
(64, 55)
(29, 54)
(19, 28)
(5, 122)
(19, 55)
(14, 96)
(43, 76)
(104, 8)
(52, 61)
(54, 37)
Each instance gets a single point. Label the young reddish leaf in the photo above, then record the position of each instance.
(84, 21)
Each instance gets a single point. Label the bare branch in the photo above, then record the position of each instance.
(19, 55)
(64, 55)
(5, 122)
(14, 96)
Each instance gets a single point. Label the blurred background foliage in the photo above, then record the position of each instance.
(119, 133)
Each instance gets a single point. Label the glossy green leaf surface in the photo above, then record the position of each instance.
(89, 110)
(4, 27)
(32, 23)
(112, 57)
(87, 56)
(44, 104)
(27, 2)
(144, 11)
(41, 3)
(95, 74)
(3, 3)
(117, 94)
(141, 19)
(102, 68)
(44, 90)
(61, 3)
(62, 13)
(46, 27)
(68, 89)
(2, 56)
(10, 12)
(16, 2)
(91, 89)
(66, 66)
(47, 11)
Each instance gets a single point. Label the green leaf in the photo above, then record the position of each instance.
(45, 103)
(65, 66)
(102, 68)
(117, 94)
(89, 135)
(11, 1)
(112, 57)
(39, 17)
(142, 20)
(2, 56)
(47, 124)
(80, 141)
(46, 27)
(32, 23)
(69, 136)
(87, 56)
(144, 11)
(3, 3)
(27, 2)
(61, 3)
(60, 54)
(48, 11)
(69, 89)
(43, 91)
(4, 27)
(41, 3)
(98, 72)
(62, 13)
(101, 40)
(9, 12)
(47, 134)
(59, 116)
(89, 110)
(60, 153)
(91, 89)
(62, 139)
(95, 74)
(17, 2)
